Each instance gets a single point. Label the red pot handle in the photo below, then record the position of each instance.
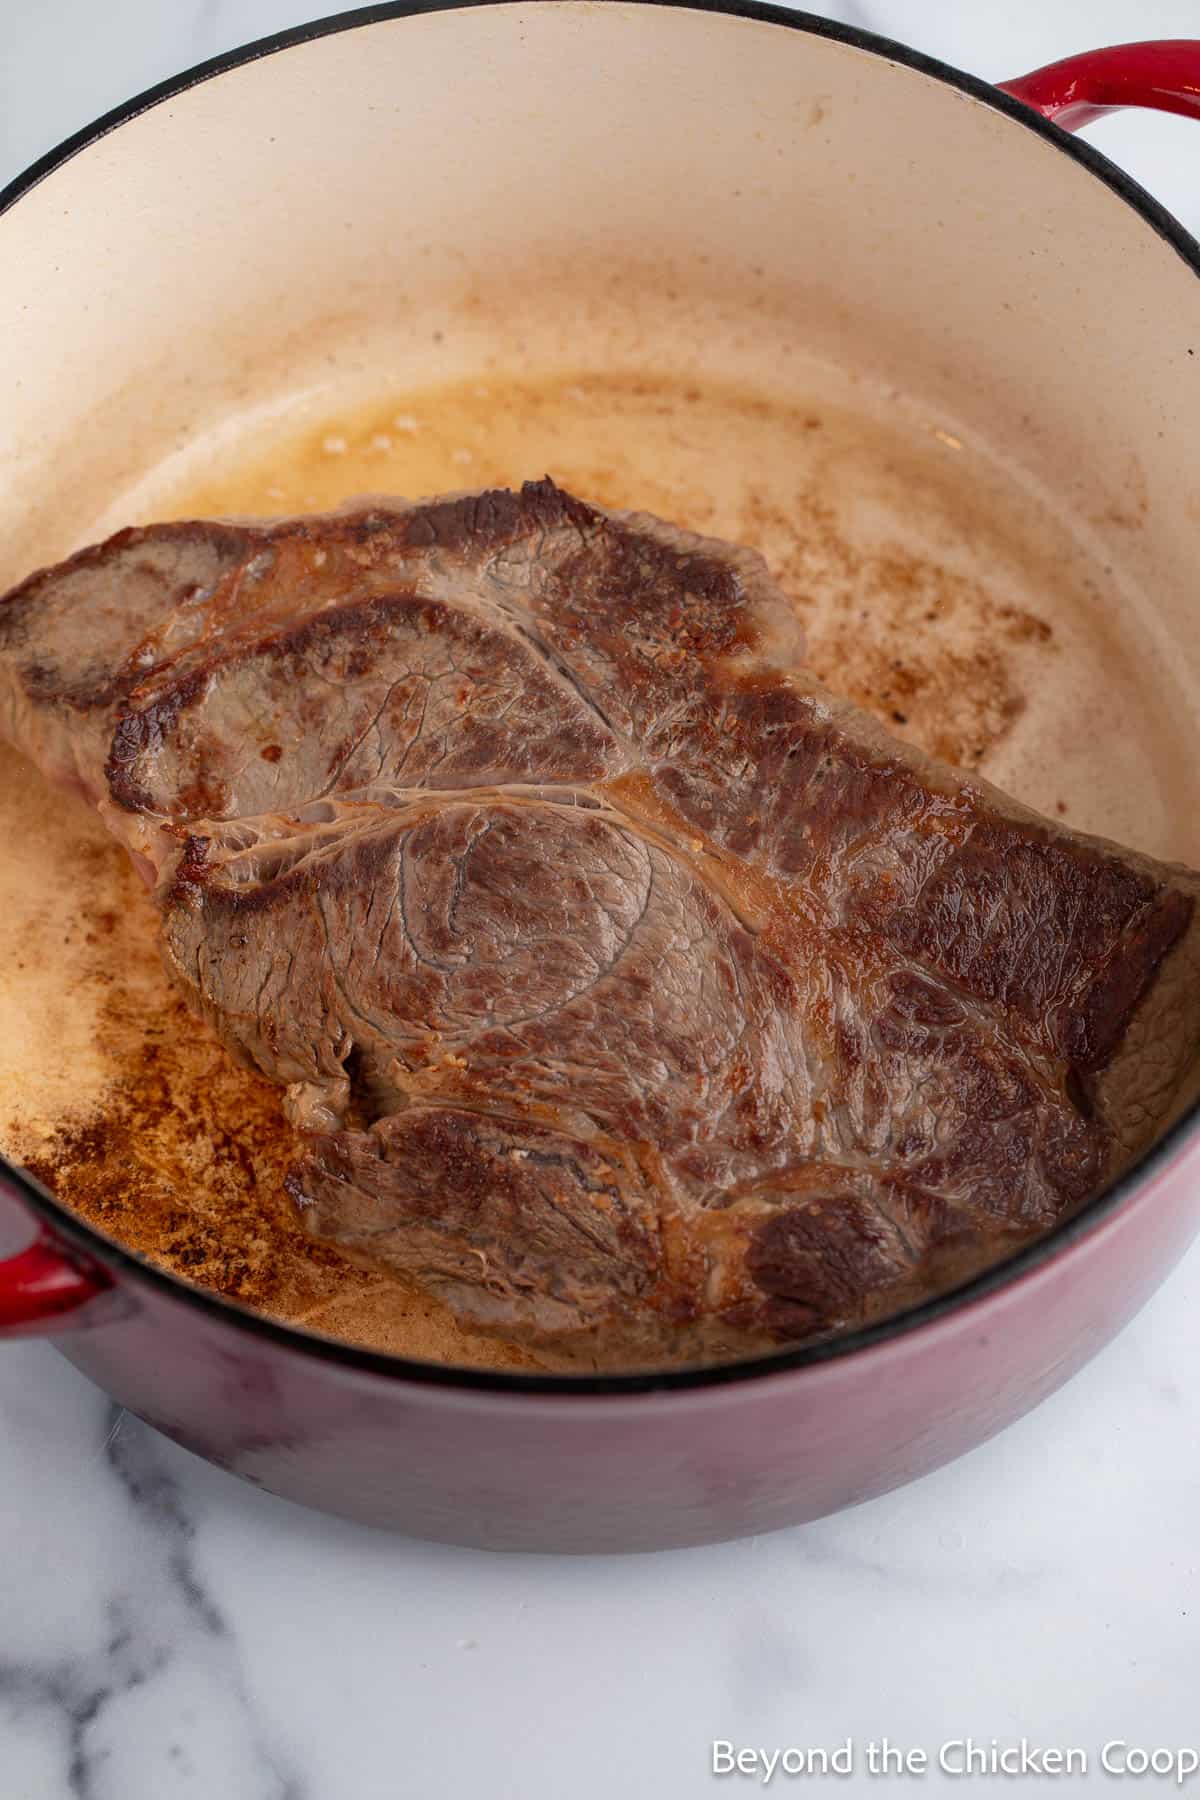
(46, 1288)
(1164, 75)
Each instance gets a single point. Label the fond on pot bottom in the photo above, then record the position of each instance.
(936, 590)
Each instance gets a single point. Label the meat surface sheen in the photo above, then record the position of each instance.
(627, 988)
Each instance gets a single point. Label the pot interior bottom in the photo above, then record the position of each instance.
(937, 588)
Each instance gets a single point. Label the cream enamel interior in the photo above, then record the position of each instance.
(595, 210)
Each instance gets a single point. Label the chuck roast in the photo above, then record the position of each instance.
(625, 986)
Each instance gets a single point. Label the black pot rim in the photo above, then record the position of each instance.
(93, 1245)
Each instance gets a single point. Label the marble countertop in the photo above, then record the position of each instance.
(167, 1631)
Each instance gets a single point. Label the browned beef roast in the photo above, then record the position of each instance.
(629, 989)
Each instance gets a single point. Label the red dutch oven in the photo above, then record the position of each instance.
(943, 231)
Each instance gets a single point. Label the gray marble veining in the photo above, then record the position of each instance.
(145, 1685)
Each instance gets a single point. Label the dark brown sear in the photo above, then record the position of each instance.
(628, 988)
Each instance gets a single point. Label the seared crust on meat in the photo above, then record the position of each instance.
(628, 988)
